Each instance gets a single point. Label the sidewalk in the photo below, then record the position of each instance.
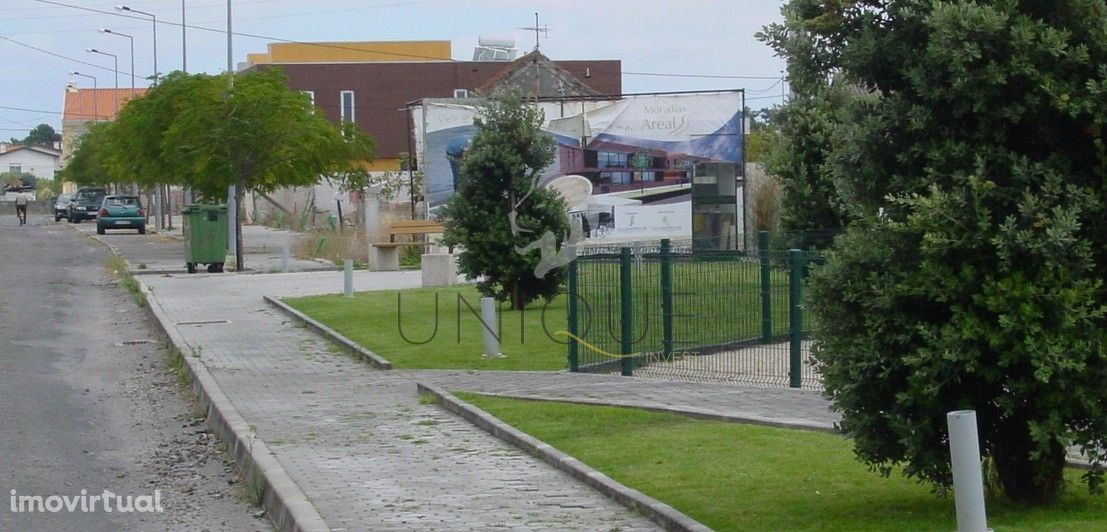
(164, 253)
(357, 442)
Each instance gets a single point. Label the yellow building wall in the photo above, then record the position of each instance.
(354, 52)
(384, 165)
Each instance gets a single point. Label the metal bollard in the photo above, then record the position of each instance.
(348, 278)
(490, 327)
(968, 483)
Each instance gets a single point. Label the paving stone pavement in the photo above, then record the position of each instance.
(357, 441)
(777, 406)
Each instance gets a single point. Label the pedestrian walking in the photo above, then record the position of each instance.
(21, 208)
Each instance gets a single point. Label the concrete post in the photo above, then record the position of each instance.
(491, 327)
(284, 256)
(348, 278)
(968, 483)
(371, 223)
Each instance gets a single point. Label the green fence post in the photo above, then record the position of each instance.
(666, 299)
(626, 316)
(766, 287)
(795, 316)
(574, 293)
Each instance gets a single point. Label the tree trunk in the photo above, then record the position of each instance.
(517, 300)
(1025, 480)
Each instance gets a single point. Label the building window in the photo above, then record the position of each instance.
(461, 93)
(615, 178)
(310, 95)
(15, 168)
(610, 159)
(348, 106)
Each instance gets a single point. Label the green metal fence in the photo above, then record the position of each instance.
(662, 310)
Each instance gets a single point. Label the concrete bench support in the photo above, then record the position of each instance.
(386, 258)
(439, 269)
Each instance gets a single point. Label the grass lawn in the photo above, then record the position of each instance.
(426, 339)
(744, 477)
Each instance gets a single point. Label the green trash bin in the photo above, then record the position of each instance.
(205, 234)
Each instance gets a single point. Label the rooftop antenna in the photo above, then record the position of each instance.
(538, 29)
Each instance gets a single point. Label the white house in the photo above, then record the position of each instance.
(39, 161)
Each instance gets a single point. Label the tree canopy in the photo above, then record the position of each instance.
(210, 132)
(963, 144)
(42, 135)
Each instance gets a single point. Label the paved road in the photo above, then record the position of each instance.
(79, 411)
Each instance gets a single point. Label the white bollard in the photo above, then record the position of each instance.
(348, 278)
(284, 257)
(491, 327)
(968, 483)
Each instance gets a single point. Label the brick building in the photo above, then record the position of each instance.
(373, 83)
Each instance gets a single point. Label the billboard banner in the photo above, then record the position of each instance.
(620, 144)
(655, 221)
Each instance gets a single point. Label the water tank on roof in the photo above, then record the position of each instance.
(495, 49)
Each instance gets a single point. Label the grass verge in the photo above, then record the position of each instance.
(744, 477)
(437, 328)
(117, 267)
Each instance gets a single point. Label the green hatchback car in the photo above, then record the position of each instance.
(121, 212)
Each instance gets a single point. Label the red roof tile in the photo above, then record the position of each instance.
(95, 104)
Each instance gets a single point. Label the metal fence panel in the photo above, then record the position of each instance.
(703, 316)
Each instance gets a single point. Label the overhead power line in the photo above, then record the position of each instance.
(336, 46)
(55, 54)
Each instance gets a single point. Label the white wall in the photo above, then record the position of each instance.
(36, 163)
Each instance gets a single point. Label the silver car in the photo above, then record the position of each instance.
(61, 207)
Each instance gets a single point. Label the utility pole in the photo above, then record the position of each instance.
(184, 41)
(232, 200)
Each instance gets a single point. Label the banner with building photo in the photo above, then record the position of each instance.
(634, 142)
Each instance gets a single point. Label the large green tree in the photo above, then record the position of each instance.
(210, 132)
(969, 157)
(92, 162)
(253, 132)
(42, 135)
(802, 129)
(498, 213)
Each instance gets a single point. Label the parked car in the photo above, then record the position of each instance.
(123, 211)
(86, 202)
(61, 207)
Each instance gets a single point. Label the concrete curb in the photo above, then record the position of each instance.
(749, 419)
(353, 347)
(662, 514)
(286, 505)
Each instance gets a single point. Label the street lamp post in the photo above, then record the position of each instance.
(115, 60)
(154, 19)
(132, 42)
(96, 98)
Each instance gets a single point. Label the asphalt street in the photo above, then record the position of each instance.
(88, 401)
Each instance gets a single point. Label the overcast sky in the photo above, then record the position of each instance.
(688, 41)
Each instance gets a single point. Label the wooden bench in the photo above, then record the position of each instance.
(388, 256)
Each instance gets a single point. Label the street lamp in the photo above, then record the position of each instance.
(95, 97)
(132, 39)
(155, 21)
(115, 59)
